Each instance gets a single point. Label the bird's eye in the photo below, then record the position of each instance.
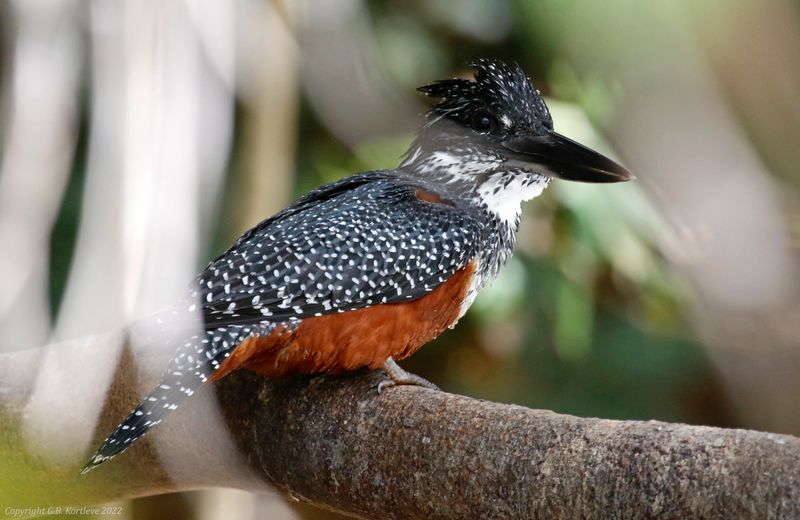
(482, 121)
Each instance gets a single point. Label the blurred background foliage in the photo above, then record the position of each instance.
(673, 297)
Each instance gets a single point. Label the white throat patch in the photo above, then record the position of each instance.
(505, 192)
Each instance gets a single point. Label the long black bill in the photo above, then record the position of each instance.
(561, 157)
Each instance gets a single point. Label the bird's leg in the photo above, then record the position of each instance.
(398, 376)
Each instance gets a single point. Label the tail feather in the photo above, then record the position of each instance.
(192, 365)
(165, 398)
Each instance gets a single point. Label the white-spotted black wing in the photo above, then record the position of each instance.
(363, 241)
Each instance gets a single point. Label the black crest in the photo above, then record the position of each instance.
(500, 90)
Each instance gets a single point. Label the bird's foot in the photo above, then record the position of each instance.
(398, 376)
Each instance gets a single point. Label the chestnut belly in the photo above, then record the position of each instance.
(343, 342)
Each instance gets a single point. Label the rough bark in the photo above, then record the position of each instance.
(417, 453)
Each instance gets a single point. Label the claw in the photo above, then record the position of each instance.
(397, 376)
(384, 384)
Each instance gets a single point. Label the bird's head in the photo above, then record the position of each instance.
(495, 132)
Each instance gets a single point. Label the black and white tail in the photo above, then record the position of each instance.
(192, 365)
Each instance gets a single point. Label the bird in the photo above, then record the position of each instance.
(362, 272)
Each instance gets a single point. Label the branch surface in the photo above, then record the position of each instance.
(413, 453)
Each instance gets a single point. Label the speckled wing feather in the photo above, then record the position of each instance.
(363, 241)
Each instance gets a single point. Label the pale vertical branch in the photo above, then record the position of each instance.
(92, 299)
(159, 137)
(37, 150)
(269, 90)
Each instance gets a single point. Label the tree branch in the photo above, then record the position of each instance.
(416, 453)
